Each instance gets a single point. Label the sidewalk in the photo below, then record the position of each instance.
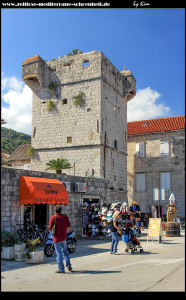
(93, 246)
(160, 266)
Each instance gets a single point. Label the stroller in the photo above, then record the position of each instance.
(130, 239)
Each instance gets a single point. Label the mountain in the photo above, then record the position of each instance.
(11, 139)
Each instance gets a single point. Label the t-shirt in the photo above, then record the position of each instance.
(113, 229)
(62, 223)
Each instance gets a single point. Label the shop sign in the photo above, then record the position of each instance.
(155, 228)
(50, 201)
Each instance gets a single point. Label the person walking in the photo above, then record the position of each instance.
(115, 230)
(59, 238)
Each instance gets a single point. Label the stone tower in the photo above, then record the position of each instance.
(87, 118)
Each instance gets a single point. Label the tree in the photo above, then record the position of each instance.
(58, 165)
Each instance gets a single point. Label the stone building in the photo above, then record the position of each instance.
(80, 113)
(13, 214)
(156, 159)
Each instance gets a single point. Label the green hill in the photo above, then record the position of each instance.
(11, 139)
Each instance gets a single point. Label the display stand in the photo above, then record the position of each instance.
(155, 229)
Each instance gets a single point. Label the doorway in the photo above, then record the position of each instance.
(41, 214)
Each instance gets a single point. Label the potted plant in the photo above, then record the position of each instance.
(32, 255)
(58, 165)
(19, 248)
(8, 239)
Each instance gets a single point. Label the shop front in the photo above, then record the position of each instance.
(38, 196)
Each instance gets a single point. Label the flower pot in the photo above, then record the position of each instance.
(19, 248)
(36, 257)
(20, 256)
(8, 253)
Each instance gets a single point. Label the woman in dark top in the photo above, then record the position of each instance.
(115, 230)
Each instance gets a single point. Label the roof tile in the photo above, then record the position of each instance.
(156, 125)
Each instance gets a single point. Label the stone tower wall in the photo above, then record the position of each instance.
(92, 136)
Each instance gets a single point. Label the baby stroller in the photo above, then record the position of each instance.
(131, 241)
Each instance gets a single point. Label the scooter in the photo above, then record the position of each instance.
(49, 248)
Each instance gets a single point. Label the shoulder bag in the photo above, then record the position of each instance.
(53, 230)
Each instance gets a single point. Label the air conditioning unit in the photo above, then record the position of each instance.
(80, 187)
(67, 185)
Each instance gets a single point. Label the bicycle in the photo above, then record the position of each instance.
(39, 233)
(25, 230)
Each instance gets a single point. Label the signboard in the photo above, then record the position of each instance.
(155, 228)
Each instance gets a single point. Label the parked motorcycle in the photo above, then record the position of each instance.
(71, 244)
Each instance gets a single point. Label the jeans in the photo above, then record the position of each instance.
(62, 253)
(115, 241)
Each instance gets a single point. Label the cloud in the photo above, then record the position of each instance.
(144, 106)
(17, 106)
(11, 83)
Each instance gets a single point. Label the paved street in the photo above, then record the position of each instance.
(161, 267)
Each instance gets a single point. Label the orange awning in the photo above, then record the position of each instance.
(41, 190)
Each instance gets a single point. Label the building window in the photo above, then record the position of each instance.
(140, 182)
(86, 64)
(26, 166)
(165, 181)
(164, 148)
(64, 101)
(115, 144)
(140, 149)
(69, 139)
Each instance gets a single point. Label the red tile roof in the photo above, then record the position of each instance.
(156, 125)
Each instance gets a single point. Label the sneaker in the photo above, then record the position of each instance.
(58, 271)
(69, 268)
(111, 252)
(116, 253)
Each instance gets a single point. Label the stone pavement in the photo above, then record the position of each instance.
(159, 268)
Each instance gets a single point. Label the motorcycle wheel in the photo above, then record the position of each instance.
(71, 246)
(49, 250)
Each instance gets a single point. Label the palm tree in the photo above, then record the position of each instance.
(58, 165)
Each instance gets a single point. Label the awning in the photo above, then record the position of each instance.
(41, 190)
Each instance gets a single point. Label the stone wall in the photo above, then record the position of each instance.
(11, 210)
(153, 164)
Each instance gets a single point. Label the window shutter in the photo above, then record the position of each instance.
(140, 182)
(142, 149)
(137, 149)
(165, 181)
(164, 147)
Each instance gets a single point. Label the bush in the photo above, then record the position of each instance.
(8, 239)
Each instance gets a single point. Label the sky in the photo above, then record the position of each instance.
(149, 42)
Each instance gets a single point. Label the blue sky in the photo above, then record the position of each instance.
(149, 42)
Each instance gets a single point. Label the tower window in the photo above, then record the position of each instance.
(115, 144)
(69, 139)
(64, 101)
(86, 64)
